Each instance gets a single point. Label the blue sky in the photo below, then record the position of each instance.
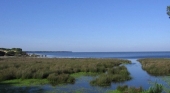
(85, 25)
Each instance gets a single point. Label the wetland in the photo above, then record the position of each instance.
(82, 75)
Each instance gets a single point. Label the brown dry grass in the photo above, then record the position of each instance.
(156, 66)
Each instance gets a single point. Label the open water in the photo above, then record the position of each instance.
(125, 55)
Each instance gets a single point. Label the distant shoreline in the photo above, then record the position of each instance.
(47, 51)
(94, 52)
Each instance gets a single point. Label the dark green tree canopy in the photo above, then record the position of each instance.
(168, 11)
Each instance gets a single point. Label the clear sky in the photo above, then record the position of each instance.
(85, 25)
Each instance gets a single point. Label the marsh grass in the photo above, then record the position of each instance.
(116, 74)
(26, 82)
(60, 70)
(155, 66)
(55, 79)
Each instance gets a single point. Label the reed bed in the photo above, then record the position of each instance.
(116, 74)
(155, 66)
(59, 70)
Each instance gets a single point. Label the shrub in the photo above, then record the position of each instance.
(10, 53)
(58, 79)
(2, 53)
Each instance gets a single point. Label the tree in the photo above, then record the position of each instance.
(17, 49)
(2, 53)
(10, 53)
(168, 11)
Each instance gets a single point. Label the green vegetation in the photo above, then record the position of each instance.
(168, 11)
(166, 86)
(156, 66)
(156, 88)
(60, 78)
(113, 91)
(26, 82)
(116, 74)
(13, 52)
(61, 70)
(79, 74)
(126, 89)
(2, 53)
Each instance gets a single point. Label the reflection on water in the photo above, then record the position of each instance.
(82, 85)
(140, 77)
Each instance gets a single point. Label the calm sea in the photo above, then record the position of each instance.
(126, 55)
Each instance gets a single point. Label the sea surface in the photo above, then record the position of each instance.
(124, 55)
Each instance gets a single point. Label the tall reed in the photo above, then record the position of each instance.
(156, 66)
(117, 74)
(58, 69)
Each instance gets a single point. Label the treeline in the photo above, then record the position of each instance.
(12, 52)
